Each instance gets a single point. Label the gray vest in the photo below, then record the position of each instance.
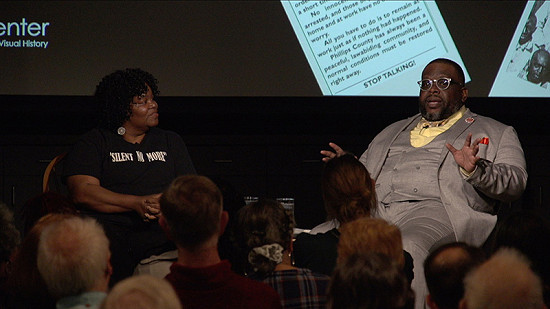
(409, 173)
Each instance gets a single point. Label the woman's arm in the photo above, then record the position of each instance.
(87, 190)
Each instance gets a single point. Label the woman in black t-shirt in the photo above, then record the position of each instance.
(117, 171)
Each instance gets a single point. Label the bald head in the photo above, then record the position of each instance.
(445, 269)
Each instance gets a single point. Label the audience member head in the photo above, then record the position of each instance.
(115, 94)
(24, 281)
(9, 239)
(192, 213)
(73, 257)
(504, 281)
(445, 269)
(42, 204)
(348, 190)
(142, 292)
(539, 67)
(366, 234)
(369, 280)
(265, 233)
(528, 232)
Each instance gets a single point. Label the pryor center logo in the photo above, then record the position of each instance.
(23, 34)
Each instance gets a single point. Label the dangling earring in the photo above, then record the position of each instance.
(121, 130)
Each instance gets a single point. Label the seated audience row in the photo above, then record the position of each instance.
(73, 254)
(65, 258)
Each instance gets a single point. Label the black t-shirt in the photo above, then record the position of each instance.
(136, 169)
(123, 167)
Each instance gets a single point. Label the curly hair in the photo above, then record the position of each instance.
(263, 223)
(348, 190)
(116, 91)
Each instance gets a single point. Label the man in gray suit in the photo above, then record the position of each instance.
(437, 179)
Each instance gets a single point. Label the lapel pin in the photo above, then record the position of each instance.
(469, 120)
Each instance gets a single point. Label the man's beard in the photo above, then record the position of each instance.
(444, 113)
(430, 116)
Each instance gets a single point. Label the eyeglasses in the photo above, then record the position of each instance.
(442, 83)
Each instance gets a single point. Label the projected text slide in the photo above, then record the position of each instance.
(370, 47)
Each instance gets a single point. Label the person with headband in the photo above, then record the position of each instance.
(264, 231)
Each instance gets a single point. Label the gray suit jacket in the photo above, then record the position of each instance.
(469, 202)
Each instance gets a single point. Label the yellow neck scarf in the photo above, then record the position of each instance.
(425, 131)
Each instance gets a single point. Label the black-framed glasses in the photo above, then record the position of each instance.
(443, 83)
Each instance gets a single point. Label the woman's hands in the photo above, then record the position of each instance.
(149, 207)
